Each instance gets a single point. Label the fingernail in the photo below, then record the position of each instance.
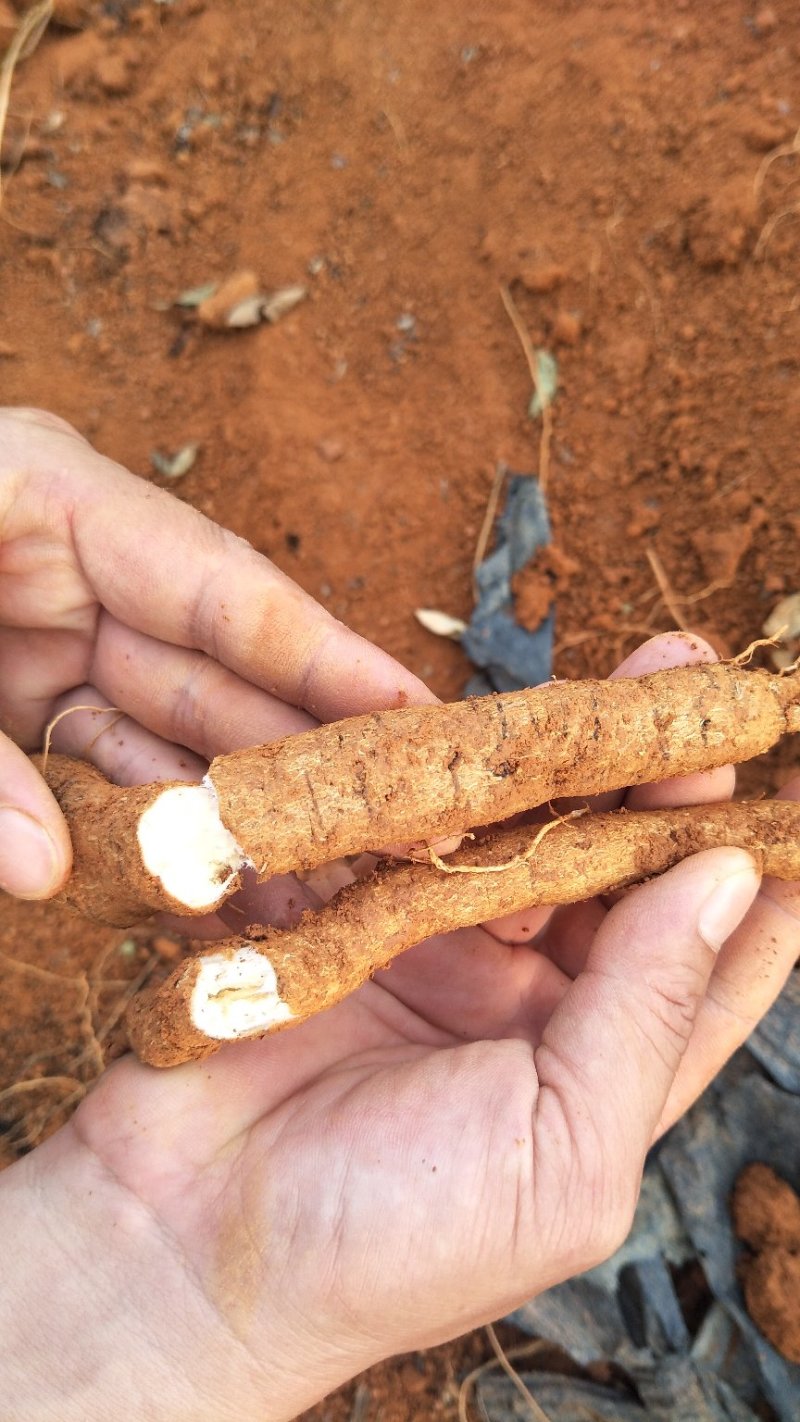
(30, 866)
(726, 906)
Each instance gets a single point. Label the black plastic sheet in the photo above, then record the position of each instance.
(508, 656)
(627, 1311)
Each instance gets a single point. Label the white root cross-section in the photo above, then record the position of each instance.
(185, 845)
(236, 995)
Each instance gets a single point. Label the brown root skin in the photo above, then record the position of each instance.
(331, 953)
(417, 774)
(108, 882)
(430, 772)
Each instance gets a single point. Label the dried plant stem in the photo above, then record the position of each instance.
(524, 1351)
(26, 37)
(768, 230)
(665, 589)
(532, 359)
(489, 516)
(784, 150)
(21, 1088)
(537, 1412)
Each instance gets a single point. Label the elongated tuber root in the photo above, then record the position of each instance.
(245, 988)
(143, 848)
(416, 774)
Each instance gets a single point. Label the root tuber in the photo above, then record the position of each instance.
(246, 987)
(416, 774)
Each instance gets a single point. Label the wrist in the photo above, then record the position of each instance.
(98, 1304)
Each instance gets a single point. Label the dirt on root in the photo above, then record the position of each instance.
(627, 170)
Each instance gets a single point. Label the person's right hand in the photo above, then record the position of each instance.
(240, 1235)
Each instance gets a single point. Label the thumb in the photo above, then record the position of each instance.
(35, 849)
(612, 1048)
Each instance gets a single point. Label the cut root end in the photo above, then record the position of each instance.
(236, 995)
(185, 845)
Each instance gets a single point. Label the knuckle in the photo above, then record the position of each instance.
(189, 712)
(32, 415)
(672, 999)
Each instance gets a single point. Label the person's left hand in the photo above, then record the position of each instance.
(113, 591)
(240, 1235)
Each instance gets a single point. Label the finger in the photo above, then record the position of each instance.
(707, 787)
(280, 903)
(570, 933)
(35, 849)
(610, 1053)
(37, 665)
(186, 581)
(669, 649)
(187, 697)
(468, 984)
(30, 415)
(750, 974)
(123, 750)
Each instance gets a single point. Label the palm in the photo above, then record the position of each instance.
(462, 1132)
(394, 1114)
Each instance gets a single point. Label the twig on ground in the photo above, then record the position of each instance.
(361, 1402)
(20, 1088)
(524, 1351)
(505, 1363)
(784, 150)
(489, 516)
(767, 231)
(665, 588)
(536, 376)
(118, 1011)
(28, 33)
(686, 599)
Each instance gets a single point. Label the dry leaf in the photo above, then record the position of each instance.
(784, 622)
(281, 302)
(215, 309)
(195, 295)
(245, 313)
(440, 623)
(239, 302)
(547, 384)
(176, 465)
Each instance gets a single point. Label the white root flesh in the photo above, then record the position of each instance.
(236, 995)
(184, 844)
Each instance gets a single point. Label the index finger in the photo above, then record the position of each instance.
(161, 567)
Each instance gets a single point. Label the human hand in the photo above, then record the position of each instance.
(113, 592)
(243, 1234)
